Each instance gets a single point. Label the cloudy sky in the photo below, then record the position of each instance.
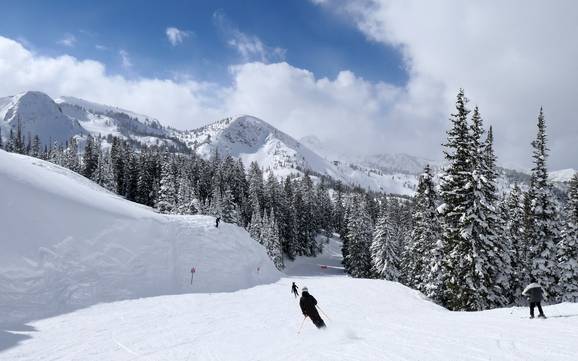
(364, 76)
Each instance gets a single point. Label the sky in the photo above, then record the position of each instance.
(363, 76)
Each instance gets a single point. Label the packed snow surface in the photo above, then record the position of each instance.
(67, 243)
(368, 320)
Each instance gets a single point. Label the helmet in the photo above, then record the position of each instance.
(304, 289)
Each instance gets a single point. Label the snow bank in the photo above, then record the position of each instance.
(68, 243)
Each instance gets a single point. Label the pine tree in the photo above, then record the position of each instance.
(425, 235)
(513, 214)
(385, 257)
(229, 210)
(90, 160)
(72, 162)
(167, 197)
(359, 237)
(272, 241)
(476, 261)
(256, 226)
(568, 247)
(35, 149)
(543, 225)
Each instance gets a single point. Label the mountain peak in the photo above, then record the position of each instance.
(38, 114)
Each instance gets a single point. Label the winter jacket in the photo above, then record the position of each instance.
(308, 303)
(534, 292)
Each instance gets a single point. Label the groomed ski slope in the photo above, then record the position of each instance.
(370, 320)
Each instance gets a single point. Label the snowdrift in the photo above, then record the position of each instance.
(66, 243)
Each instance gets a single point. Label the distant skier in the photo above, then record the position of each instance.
(534, 292)
(217, 220)
(294, 290)
(308, 305)
(193, 270)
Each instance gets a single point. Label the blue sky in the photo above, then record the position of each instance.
(311, 38)
(308, 68)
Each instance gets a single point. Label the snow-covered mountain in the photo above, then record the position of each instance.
(39, 115)
(563, 175)
(245, 137)
(68, 243)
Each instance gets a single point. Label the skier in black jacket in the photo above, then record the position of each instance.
(308, 305)
(294, 290)
(534, 292)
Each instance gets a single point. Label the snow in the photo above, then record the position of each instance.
(368, 320)
(69, 248)
(563, 175)
(38, 115)
(67, 243)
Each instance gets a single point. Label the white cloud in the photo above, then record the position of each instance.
(125, 59)
(344, 109)
(68, 40)
(511, 58)
(250, 47)
(176, 36)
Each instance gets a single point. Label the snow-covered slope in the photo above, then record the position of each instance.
(563, 175)
(369, 320)
(38, 115)
(252, 139)
(68, 243)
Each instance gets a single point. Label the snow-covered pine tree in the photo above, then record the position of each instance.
(90, 158)
(513, 215)
(286, 219)
(131, 173)
(385, 256)
(117, 162)
(453, 182)
(72, 162)
(325, 208)
(187, 203)
(272, 242)
(35, 149)
(544, 228)
(568, 246)
(167, 195)
(425, 234)
(228, 207)
(476, 261)
(359, 237)
(256, 225)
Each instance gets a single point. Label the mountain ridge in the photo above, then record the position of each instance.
(243, 136)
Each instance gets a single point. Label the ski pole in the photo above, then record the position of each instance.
(300, 327)
(324, 314)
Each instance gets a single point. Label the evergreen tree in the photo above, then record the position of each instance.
(568, 247)
(543, 225)
(513, 214)
(72, 162)
(272, 241)
(426, 234)
(476, 261)
(90, 158)
(167, 197)
(384, 250)
(359, 238)
(229, 210)
(35, 149)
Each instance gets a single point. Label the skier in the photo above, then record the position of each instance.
(534, 292)
(217, 220)
(308, 305)
(294, 290)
